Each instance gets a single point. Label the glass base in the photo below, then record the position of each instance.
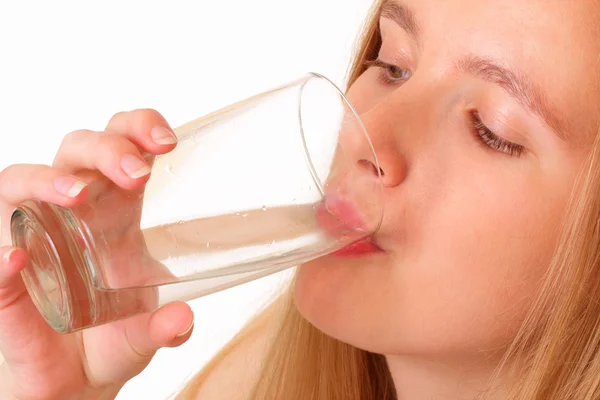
(58, 277)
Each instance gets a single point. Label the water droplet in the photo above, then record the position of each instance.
(238, 214)
(207, 244)
(169, 168)
(264, 208)
(244, 215)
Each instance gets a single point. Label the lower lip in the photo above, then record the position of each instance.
(357, 249)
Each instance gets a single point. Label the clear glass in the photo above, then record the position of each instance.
(265, 184)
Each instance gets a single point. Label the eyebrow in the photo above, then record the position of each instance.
(402, 16)
(514, 83)
(517, 85)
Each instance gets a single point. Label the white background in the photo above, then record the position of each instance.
(67, 65)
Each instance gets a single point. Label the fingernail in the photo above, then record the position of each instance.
(134, 167)
(162, 135)
(187, 330)
(8, 254)
(69, 186)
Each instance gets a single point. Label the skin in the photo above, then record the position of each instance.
(468, 230)
(467, 233)
(95, 363)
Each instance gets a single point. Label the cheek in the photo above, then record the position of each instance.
(471, 255)
(480, 243)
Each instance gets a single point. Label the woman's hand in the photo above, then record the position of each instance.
(41, 363)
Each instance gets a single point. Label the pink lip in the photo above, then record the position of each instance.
(339, 217)
(358, 249)
(336, 217)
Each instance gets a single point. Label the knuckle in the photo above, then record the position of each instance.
(73, 136)
(117, 117)
(19, 175)
(7, 171)
(4, 174)
(69, 142)
(146, 118)
(8, 174)
(136, 122)
(134, 116)
(148, 114)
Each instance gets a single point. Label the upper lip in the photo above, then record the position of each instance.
(346, 217)
(345, 211)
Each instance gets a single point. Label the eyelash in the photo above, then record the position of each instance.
(386, 69)
(491, 140)
(481, 132)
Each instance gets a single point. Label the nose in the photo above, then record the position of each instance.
(389, 164)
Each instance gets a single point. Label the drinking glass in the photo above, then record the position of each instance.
(267, 183)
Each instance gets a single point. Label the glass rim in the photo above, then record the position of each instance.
(365, 136)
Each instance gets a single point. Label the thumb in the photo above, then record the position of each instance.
(20, 321)
(169, 326)
(130, 344)
(12, 261)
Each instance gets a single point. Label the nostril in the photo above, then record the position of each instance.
(370, 166)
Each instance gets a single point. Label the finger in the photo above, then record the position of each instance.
(169, 326)
(113, 155)
(147, 128)
(25, 182)
(23, 331)
(12, 261)
(121, 350)
(29, 181)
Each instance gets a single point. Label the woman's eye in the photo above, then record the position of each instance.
(390, 73)
(491, 140)
(395, 72)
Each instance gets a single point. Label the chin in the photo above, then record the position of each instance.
(336, 295)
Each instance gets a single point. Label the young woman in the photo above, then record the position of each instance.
(483, 281)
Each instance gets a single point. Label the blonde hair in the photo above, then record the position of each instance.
(555, 354)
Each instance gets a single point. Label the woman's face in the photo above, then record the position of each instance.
(480, 122)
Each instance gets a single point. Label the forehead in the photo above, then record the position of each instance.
(555, 43)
